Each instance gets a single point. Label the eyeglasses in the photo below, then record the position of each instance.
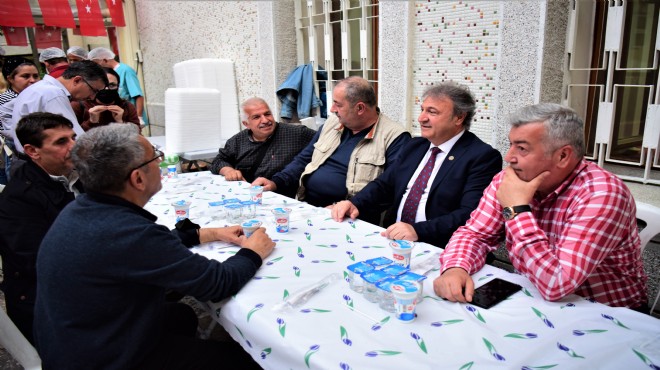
(95, 91)
(159, 155)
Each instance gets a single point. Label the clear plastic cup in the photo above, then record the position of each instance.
(217, 209)
(355, 281)
(250, 226)
(370, 279)
(234, 212)
(181, 209)
(282, 219)
(256, 193)
(401, 251)
(249, 208)
(405, 299)
(386, 299)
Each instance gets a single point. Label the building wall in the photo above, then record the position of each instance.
(174, 31)
(502, 51)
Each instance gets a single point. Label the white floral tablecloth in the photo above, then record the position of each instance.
(339, 329)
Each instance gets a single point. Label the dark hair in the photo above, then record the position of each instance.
(460, 96)
(11, 64)
(112, 72)
(86, 69)
(357, 89)
(30, 129)
(105, 154)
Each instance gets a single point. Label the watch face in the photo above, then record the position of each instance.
(507, 213)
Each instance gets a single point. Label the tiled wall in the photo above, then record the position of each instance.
(457, 40)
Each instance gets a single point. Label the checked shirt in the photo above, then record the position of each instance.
(582, 238)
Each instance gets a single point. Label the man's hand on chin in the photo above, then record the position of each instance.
(513, 191)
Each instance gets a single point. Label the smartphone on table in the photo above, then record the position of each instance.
(493, 292)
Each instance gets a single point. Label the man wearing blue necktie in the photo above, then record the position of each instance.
(439, 177)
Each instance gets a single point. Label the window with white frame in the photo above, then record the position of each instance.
(614, 83)
(340, 38)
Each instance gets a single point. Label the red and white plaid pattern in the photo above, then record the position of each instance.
(580, 239)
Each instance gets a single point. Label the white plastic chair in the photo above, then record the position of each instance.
(15, 343)
(650, 215)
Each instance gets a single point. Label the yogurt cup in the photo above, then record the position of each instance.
(256, 193)
(181, 209)
(405, 299)
(250, 226)
(411, 276)
(282, 219)
(401, 251)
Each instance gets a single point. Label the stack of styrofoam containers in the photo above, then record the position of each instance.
(202, 111)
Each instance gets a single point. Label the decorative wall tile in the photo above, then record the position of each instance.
(458, 41)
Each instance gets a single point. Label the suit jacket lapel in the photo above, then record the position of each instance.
(455, 155)
(409, 165)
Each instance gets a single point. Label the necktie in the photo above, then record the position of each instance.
(409, 212)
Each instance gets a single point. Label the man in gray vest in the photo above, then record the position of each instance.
(352, 148)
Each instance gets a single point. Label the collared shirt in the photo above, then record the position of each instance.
(328, 183)
(47, 95)
(581, 238)
(68, 182)
(444, 149)
(241, 151)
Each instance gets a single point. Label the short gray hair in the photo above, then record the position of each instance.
(562, 125)
(460, 95)
(105, 155)
(251, 101)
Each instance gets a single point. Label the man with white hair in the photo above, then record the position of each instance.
(55, 61)
(263, 148)
(129, 88)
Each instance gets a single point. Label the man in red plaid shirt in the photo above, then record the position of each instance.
(569, 225)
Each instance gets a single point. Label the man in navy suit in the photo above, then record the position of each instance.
(431, 192)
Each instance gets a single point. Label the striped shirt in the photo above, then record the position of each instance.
(582, 238)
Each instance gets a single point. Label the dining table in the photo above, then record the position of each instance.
(299, 311)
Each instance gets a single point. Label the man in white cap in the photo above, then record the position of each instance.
(55, 61)
(76, 54)
(129, 88)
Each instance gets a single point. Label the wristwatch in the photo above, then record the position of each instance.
(510, 212)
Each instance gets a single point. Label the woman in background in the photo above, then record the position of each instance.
(107, 106)
(19, 74)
